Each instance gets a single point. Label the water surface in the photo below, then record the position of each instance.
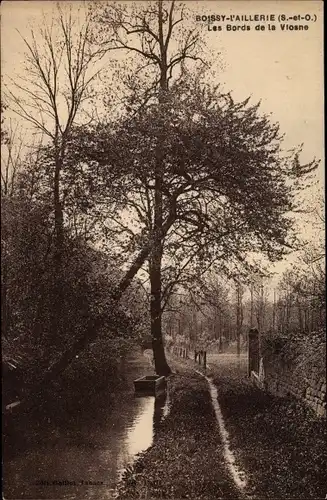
(83, 457)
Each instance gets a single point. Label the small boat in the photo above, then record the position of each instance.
(150, 385)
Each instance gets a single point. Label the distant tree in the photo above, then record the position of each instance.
(260, 303)
(239, 289)
(214, 291)
(302, 292)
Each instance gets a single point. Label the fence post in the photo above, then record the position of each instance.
(205, 359)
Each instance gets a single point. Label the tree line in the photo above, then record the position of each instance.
(218, 313)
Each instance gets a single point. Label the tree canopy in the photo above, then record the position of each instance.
(226, 181)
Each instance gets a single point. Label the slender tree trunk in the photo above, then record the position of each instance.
(4, 296)
(160, 362)
(299, 308)
(251, 305)
(58, 295)
(239, 320)
(58, 212)
(274, 313)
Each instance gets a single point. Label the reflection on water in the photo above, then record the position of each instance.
(139, 435)
(85, 457)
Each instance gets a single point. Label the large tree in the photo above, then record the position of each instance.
(226, 187)
(155, 34)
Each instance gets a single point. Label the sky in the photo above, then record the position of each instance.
(283, 69)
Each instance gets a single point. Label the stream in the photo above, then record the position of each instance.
(85, 456)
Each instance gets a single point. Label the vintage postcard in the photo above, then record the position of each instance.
(163, 250)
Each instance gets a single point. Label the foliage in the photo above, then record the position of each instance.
(303, 353)
(217, 212)
(27, 290)
(301, 301)
(302, 288)
(210, 215)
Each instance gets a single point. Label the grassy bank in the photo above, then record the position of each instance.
(185, 460)
(280, 443)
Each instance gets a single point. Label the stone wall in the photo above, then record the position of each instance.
(309, 387)
(295, 369)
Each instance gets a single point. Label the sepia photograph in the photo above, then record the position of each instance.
(163, 309)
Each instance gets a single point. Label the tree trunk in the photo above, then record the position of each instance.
(251, 305)
(58, 291)
(141, 258)
(239, 319)
(274, 313)
(300, 317)
(58, 212)
(238, 346)
(160, 362)
(4, 297)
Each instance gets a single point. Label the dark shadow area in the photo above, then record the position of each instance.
(75, 445)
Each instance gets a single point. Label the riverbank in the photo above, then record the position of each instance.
(185, 460)
(278, 443)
